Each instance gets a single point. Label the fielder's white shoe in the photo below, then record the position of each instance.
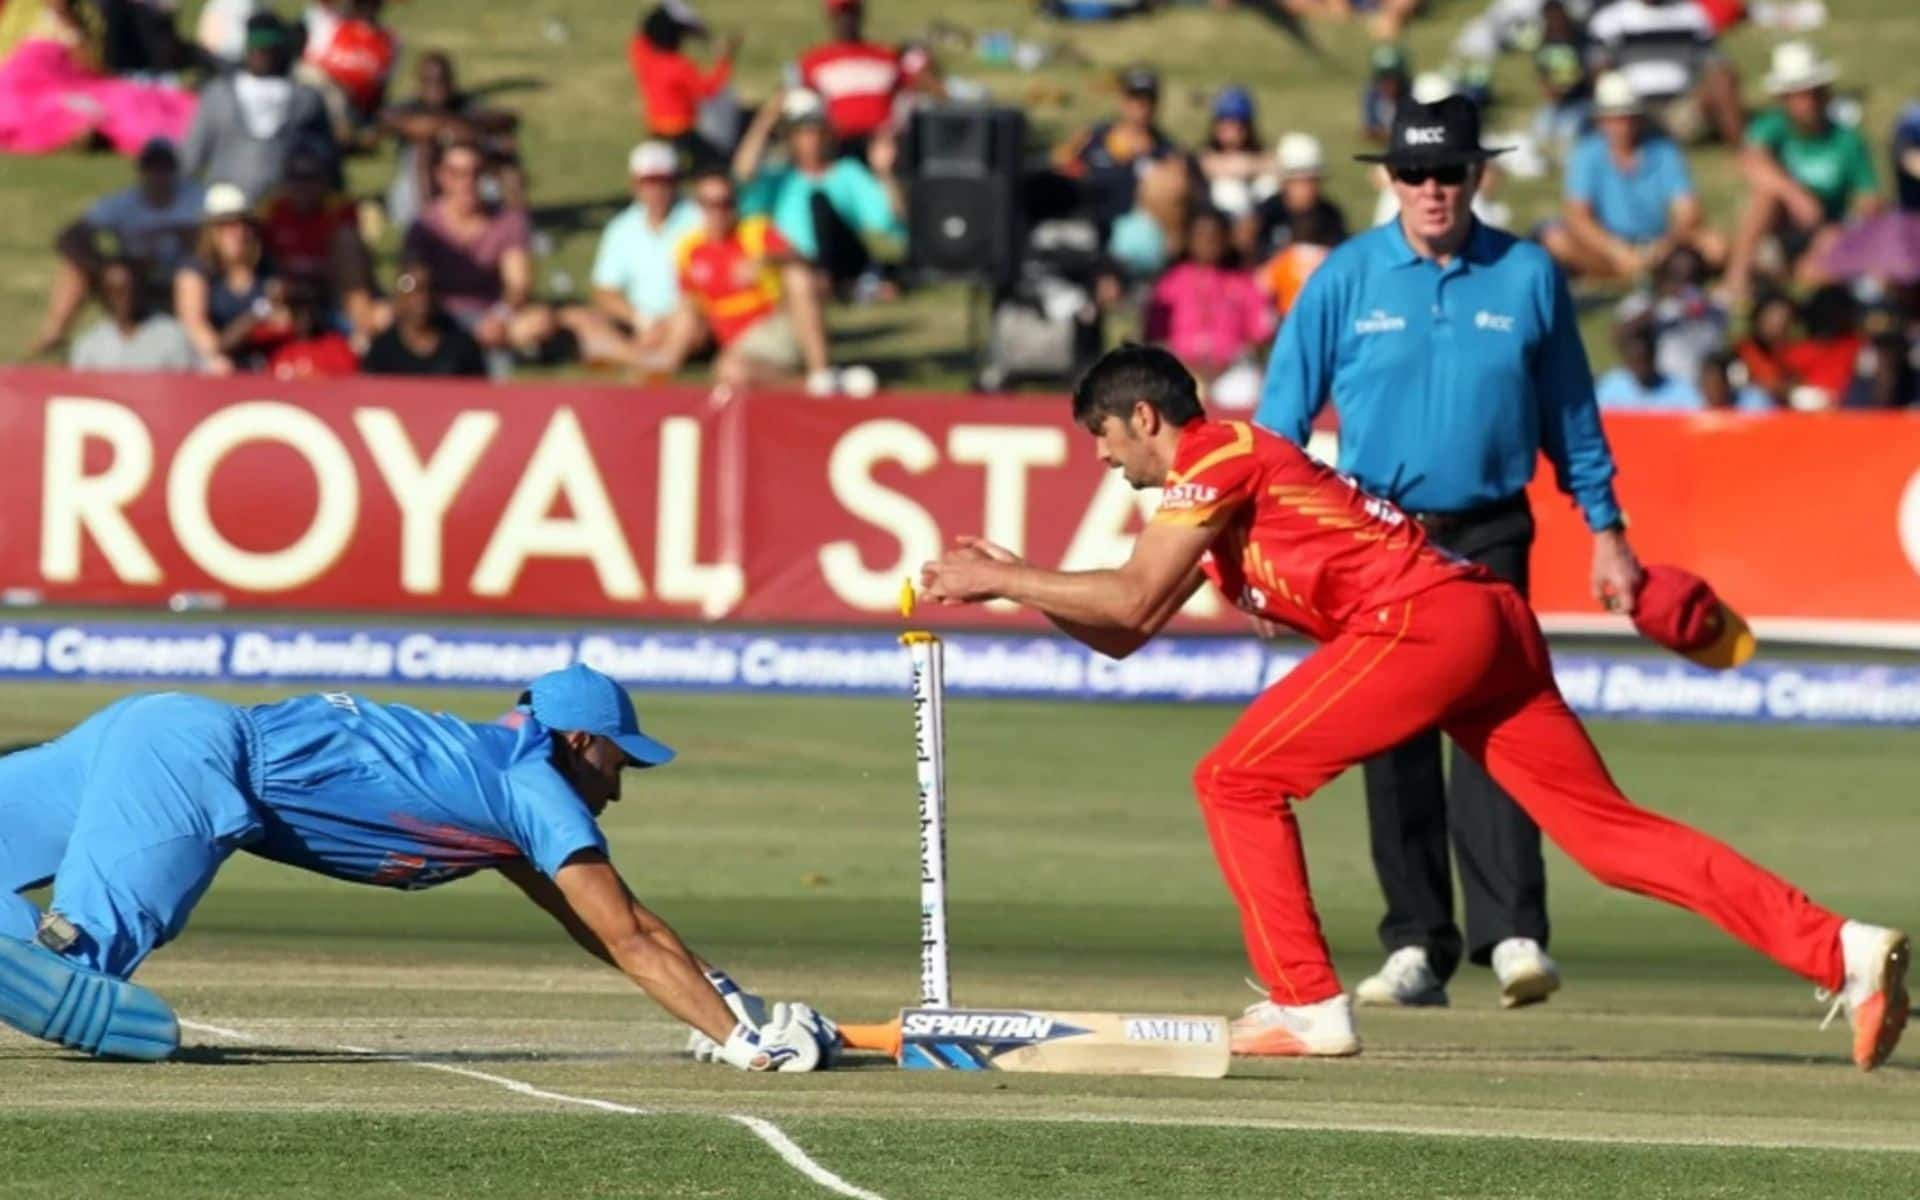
(1875, 992)
(1269, 1030)
(1526, 974)
(1406, 978)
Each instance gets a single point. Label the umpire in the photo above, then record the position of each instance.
(1451, 354)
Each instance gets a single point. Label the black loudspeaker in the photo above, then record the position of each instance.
(965, 168)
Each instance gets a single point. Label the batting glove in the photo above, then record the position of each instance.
(789, 1041)
(747, 1008)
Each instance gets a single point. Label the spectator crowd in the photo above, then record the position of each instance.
(234, 247)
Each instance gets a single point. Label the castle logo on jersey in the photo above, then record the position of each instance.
(1188, 495)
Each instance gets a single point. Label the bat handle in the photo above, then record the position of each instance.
(885, 1037)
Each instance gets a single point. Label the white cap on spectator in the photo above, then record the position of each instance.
(1300, 154)
(224, 200)
(802, 104)
(1614, 96)
(1798, 67)
(653, 160)
(1431, 87)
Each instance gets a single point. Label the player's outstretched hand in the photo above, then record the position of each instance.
(791, 1040)
(747, 1008)
(966, 574)
(986, 549)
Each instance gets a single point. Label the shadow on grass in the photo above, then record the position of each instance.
(493, 88)
(255, 1056)
(578, 215)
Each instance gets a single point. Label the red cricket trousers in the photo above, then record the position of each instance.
(1468, 657)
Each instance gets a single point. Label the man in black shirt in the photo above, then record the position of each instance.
(422, 339)
(1269, 228)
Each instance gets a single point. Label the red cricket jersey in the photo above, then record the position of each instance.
(1297, 542)
(857, 80)
(731, 281)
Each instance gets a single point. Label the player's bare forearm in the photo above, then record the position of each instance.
(1134, 599)
(642, 945)
(544, 893)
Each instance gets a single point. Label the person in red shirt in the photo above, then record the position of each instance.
(311, 350)
(1411, 637)
(746, 288)
(351, 55)
(858, 79)
(311, 233)
(672, 86)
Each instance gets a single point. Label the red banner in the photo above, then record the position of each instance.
(381, 494)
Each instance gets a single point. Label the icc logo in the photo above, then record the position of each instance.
(1425, 135)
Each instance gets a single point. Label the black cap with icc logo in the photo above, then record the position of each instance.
(1441, 134)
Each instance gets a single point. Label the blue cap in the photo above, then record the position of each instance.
(1233, 104)
(581, 698)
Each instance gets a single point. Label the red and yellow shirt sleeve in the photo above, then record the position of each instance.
(1215, 474)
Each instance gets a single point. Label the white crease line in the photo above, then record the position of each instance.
(775, 1138)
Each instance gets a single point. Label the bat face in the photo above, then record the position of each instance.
(1085, 1043)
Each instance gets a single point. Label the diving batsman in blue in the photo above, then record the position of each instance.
(131, 814)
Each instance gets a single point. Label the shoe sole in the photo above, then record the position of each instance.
(1278, 1043)
(1531, 988)
(1877, 1032)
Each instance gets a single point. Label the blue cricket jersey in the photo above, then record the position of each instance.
(1449, 381)
(390, 795)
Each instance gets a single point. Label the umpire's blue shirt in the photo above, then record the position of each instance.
(1449, 381)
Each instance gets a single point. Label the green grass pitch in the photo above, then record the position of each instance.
(783, 845)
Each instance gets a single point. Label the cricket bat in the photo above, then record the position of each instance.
(1075, 1043)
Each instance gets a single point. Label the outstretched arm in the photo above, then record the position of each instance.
(600, 911)
(1134, 599)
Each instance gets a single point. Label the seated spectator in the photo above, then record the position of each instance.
(151, 223)
(1823, 362)
(1311, 237)
(348, 58)
(1388, 83)
(423, 339)
(311, 349)
(859, 80)
(481, 259)
(1629, 197)
(1234, 162)
(749, 292)
(1666, 50)
(1272, 224)
(312, 236)
(1760, 370)
(250, 122)
(138, 38)
(441, 114)
(1566, 105)
(1638, 384)
(1805, 172)
(54, 94)
(1689, 326)
(636, 276)
(1906, 158)
(1889, 372)
(130, 337)
(1151, 234)
(672, 86)
(821, 204)
(1206, 308)
(225, 295)
(1108, 158)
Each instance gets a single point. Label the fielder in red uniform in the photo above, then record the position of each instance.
(1411, 638)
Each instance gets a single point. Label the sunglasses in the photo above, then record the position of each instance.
(1452, 175)
(716, 203)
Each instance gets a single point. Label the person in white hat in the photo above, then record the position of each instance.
(1302, 162)
(636, 280)
(226, 295)
(1629, 197)
(1805, 172)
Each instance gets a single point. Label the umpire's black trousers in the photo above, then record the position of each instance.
(1412, 810)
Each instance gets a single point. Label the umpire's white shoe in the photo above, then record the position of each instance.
(1406, 978)
(1323, 1030)
(1874, 994)
(1526, 974)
